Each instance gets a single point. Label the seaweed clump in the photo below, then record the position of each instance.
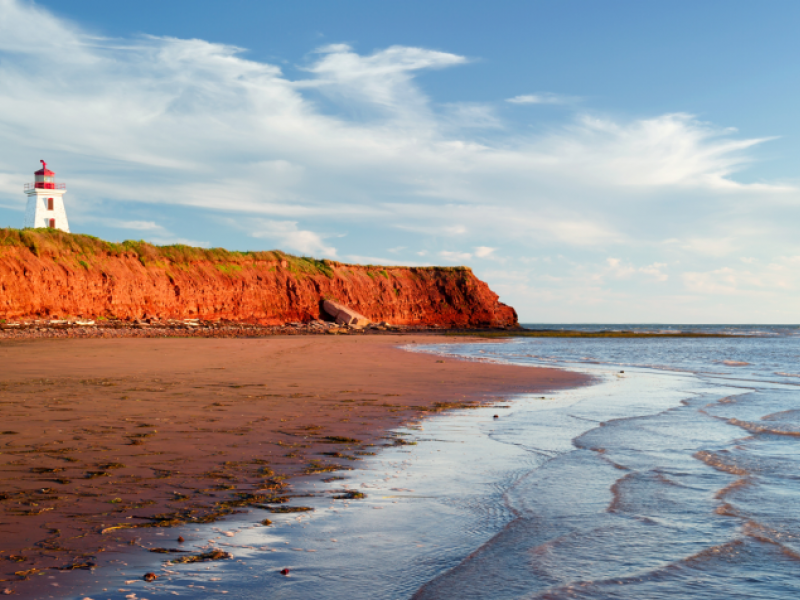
(215, 554)
(350, 496)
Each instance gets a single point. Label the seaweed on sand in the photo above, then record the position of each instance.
(289, 509)
(338, 439)
(350, 495)
(316, 467)
(442, 406)
(204, 557)
(340, 455)
(183, 517)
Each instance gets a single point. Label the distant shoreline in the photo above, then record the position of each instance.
(182, 328)
(570, 333)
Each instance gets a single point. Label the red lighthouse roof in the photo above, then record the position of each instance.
(44, 170)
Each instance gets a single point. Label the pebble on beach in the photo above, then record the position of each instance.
(150, 577)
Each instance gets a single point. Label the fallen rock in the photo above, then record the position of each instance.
(345, 315)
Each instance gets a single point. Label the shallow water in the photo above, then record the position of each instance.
(691, 499)
(677, 478)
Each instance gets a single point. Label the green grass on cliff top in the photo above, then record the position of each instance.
(53, 242)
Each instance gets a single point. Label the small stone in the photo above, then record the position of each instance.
(496, 416)
(150, 577)
(180, 539)
(284, 571)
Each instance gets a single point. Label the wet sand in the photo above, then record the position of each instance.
(102, 439)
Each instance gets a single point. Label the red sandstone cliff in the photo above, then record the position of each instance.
(55, 274)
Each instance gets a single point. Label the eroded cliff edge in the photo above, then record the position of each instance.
(49, 273)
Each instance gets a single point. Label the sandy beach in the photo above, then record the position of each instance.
(104, 439)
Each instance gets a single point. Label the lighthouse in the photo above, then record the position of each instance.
(46, 201)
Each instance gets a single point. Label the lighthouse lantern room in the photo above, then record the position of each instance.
(45, 201)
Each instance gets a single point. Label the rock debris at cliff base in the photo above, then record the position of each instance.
(38, 329)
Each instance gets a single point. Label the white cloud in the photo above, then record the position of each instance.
(450, 256)
(543, 98)
(656, 271)
(470, 115)
(484, 251)
(152, 231)
(669, 150)
(618, 269)
(380, 79)
(377, 260)
(781, 274)
(133, 225)
(170, 239)
(287, 235)
(710, 246)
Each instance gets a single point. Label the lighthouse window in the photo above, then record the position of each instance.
(49, 204)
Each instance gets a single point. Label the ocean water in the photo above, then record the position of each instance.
(687, 488)
(676, 475)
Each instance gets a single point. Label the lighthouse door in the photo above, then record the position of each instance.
(51, 223)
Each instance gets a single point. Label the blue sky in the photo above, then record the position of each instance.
(594, 162)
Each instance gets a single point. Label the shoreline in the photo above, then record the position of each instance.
(171, 431)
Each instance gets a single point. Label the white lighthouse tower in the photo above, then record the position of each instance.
(45, 201)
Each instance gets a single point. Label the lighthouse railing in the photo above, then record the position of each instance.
(45, 186)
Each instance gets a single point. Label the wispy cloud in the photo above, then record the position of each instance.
(378, 260)
(455, 256)
(619, 269)
(132, 225)
(781, 274)
(484, 251)
(544, 98)
(288, 235)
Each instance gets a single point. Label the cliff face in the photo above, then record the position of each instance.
(54, 274)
